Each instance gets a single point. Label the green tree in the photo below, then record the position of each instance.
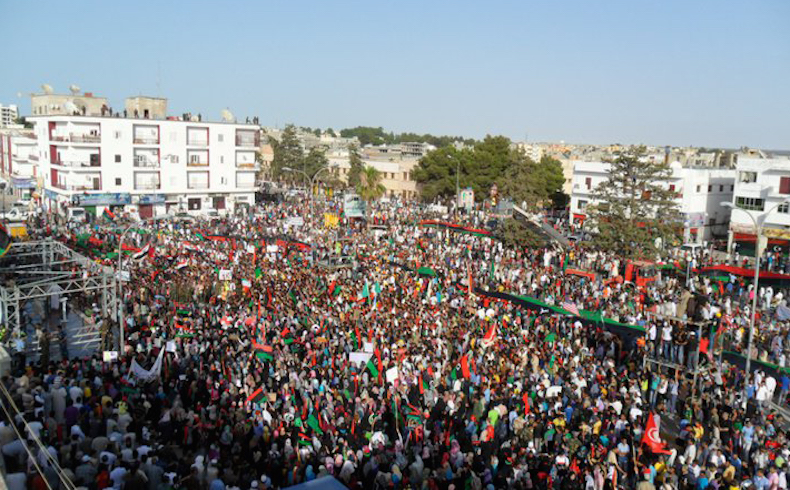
(355, 162)
(519, 235)
(532, 185)
(634, 207)
(370, 187)
(287, 153)
(314, 161)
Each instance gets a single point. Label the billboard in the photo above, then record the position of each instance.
(353, 206)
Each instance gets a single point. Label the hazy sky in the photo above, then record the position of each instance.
(680, 72)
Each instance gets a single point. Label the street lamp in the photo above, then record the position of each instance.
(310, 181)
(758, 230)
(121, 326)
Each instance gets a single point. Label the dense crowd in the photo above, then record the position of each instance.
(256, 358)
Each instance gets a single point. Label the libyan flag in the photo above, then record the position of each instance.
(108, 214)
(372, 368)
(257, 396)
(264, 353)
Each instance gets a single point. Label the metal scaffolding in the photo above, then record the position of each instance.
(41, 269)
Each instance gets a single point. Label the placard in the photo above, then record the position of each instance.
(171, 346)
(225, 275)
(110, 355)
(356, 357)
(392, 374)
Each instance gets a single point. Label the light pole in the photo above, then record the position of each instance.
(121, 326)
(758, 231)
(310, 181)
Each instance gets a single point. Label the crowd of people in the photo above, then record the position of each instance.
(257, 356)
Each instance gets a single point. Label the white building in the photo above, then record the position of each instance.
(19, 161)
(396, 175)
(700, 192)
(145, 166)
(8, 115)
(762, 186)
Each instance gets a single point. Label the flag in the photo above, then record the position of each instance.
(257, 396)
(366, 291)
(182, 264)
(490, 336)
(525, 399)
(148, 374)
(570, 308)
(108, 214)
(652, 438)
(258, 273)
(142, 253)
(372, 368)
(465, 366)
(264, 352)
(312, 422)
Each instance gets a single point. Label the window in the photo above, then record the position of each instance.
(220, 137)
(222, 180)
(117, 158)
(671, 187)
(173, 158)
(784, 185)
(588, 182)
(582, 205)
(712, 222)
(117, 181)
(783, 208)
(117, 135)
(699, 188)
(710, 188)
(732, 188)
(193, 204)
(221, 159)
(721, 188)
(750, 203)
(747, 177)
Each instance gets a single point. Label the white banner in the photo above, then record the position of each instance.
(392, 375)
(225, 275)
(356, 357)
(147, 374)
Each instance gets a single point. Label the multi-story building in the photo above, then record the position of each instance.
(19, 161)
(49, 104)
(699, 194)
(761, 189)
(8, 115)
(146, 166)
(396, 176)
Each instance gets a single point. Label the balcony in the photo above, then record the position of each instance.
(197, 164)
(197, 142)
(77, 187)
(249, 165)
(147, 186)
(146, 163)
(33, 157)
(248, 141)
(85, 138)
(197, 185)
(145, 140)
(245, 185)
(77, 164)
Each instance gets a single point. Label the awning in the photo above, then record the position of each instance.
(579, 216)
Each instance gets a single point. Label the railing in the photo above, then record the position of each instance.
(248, 141)
(67, 187)
(76, 164)
(145, 140)
(146, 164)
(245, 165)
(85, 138)
(147, 186)
(32, 157)
(197, 164)
(197, 142)
(245, 185)
(197, 185)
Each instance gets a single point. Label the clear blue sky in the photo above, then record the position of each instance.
(681, 72)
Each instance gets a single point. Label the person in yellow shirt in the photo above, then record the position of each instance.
(597, 427)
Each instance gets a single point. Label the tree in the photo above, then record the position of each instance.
(370, 187)
(287, 152)
(355, 161)
(519, 235)
(532, 185)
(314, 161)
(634, 207)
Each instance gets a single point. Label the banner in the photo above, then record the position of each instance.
(147, 374)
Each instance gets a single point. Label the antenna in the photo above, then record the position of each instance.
(75, 89)
(47, 89)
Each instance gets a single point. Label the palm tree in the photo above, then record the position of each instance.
(370, 187)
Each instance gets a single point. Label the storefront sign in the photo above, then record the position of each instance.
(152, 199)
(118, 199)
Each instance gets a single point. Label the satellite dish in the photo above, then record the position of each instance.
(227, 116)
(71, 107)
(47, 89)
(75, 89)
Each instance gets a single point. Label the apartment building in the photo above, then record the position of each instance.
(146, 166)
(761, 188)
(8, 115)
(699, 194)
(19, 161)
(396, 176)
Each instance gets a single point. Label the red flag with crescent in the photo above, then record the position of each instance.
(652, 438)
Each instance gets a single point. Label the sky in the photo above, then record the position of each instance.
(711, 73)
